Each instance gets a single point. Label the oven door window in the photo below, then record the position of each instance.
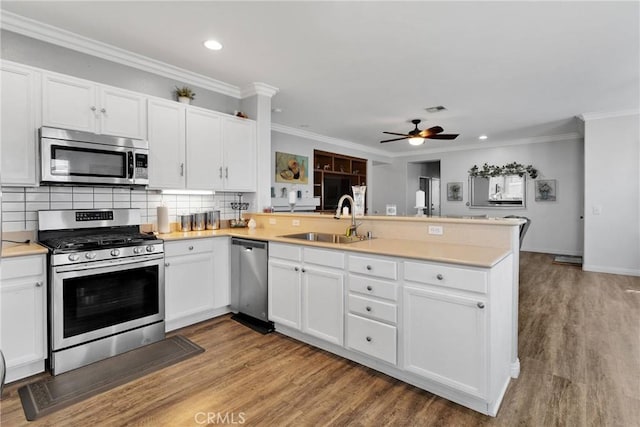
(74, 161)
(103, 300)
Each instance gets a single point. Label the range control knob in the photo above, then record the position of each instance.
(115, 252)
(151, 248)
(90, 255)
(74, 257)
(138, 250)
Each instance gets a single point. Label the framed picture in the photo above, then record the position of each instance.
(292, 168)
(546, 190)
(454, 191)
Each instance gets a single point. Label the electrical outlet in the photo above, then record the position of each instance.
(272, 221)
(295, 222)
(596, 209)
(435, 229)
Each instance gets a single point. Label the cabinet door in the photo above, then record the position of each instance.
(323, 304)
(122, 113)
(222, 281)
(204, 150)
(189, 286)
(69, 103)
(239, 143)
(445, 339)
(166, 144)
(284, 293)
(20, 123)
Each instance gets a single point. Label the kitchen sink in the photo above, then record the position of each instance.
(325, 237)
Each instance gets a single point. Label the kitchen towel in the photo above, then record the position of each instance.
(163, 219)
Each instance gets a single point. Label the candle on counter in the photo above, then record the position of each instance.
(292, 196)
(420, 199)
(345, 210)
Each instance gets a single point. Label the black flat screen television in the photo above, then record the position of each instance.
(334, 187)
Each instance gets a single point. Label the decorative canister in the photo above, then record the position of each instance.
(185, 222)
(198, 221)
(212, 220)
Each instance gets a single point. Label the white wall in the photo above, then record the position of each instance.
(556, 226)
(612, 185)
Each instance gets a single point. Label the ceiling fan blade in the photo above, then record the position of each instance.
(443, 136)
(396, 139)
(431, 131)
(400, 134)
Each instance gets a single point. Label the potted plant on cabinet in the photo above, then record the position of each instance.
(185, 94)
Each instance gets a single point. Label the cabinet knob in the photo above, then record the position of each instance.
(190, 248)
(93, 108)
(368, 308)
(369, 268)
(296, 268)
(439, 277)
(103, 110)
(369, 339)
(38, 284)
(480, 305)
(369, 288)
(303, 270)
(166, 264)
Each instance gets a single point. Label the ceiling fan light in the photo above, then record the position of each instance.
(416, 141)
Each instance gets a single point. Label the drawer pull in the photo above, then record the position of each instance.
(369, 288)
(38, 284)
(439, 277)
(369, 339)
(369, 268)
(480, 305)
(296, 268)
(190, 248)
(368, 308)
(304, 271)
(166, 264)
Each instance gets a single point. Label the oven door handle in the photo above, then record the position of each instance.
(130, 156)
(108, 263)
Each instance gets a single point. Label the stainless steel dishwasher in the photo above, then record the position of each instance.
(249, 259)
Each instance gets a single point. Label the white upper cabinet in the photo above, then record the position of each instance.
(71, 103)
(239, 154)
(204, 139)
(20, 122)
(166, 144)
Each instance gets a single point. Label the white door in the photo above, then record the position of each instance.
(204, 150)
(122, 113)
(222, 267)
(239, 136)
(69, 103)
(284, 293)
(323, 304)
(166, 144)
(189, 286)
(20, 122)
(445, 339)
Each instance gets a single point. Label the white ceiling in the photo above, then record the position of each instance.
(350, 70)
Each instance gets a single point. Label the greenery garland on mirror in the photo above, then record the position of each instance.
(509, 169)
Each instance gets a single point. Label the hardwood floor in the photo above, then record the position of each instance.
(579, 351)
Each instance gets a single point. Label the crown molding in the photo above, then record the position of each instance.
(329, 140)
(258, 88)
(57, 36)
(607, 115)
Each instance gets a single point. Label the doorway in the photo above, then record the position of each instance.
(424, 176)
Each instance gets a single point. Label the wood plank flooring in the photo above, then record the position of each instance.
(579, 353)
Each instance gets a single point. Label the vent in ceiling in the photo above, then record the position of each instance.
(435, 109)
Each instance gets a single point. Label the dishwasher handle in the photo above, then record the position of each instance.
(249, 244)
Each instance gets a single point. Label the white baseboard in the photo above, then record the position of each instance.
(552, 251)
(611, 270)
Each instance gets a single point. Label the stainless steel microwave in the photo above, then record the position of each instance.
(74, 157)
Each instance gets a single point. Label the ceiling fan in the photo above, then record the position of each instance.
(417, 136)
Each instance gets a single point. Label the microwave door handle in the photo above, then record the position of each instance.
(130, 165)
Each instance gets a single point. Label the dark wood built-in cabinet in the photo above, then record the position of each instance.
(333, 176)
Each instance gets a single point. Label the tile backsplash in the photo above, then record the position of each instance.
(20, 205)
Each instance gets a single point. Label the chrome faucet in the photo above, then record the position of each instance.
(353, 228)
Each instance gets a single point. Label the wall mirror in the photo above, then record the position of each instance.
(503, 191)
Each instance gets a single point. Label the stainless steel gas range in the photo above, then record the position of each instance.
(106, 285)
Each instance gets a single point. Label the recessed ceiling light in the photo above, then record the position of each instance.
(435, 109)
(483, 137)
(213, 45)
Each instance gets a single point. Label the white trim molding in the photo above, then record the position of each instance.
(607, 115)
(610, 270)
(54, 35)
(258, 88)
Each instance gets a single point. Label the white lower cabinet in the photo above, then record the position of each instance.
(23, 315)
(372, 338)
(445, 339)
(195, 273)
(306, 292)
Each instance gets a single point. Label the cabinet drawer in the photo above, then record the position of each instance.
(22, 266)
(187, 247)
(373, 338)
(324, 257)
(373, 287)
(373, 309)
(452, 277)
(373, 267)
(290, 252)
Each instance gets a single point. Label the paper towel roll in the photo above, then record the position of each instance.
(292, 196)
(163, 219)
(420, 199)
